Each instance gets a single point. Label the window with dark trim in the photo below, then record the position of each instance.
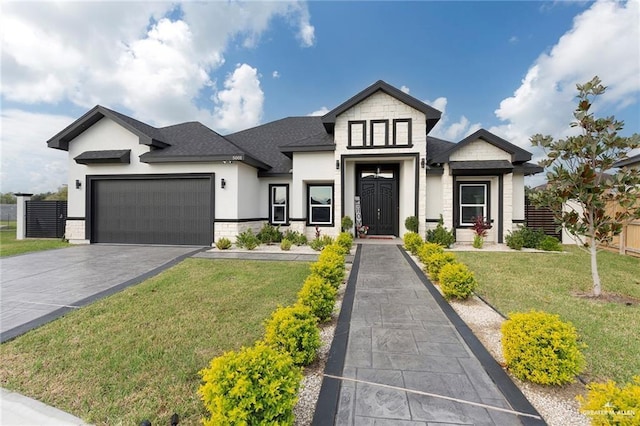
(357, 133)
(473, 201)
(279, 204)
(401, 131)
(379, 132)
(320, 204)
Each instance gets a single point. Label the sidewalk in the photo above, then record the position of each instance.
(18, 410)
(396, 340)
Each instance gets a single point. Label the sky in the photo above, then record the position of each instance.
(510, 67)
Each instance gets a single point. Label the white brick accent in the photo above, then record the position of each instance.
(75, 232)
(479, 150)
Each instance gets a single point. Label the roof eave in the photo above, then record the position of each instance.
(243, 158)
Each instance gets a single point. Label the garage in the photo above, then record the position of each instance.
(164, 209)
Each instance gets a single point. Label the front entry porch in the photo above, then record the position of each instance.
(377, 185)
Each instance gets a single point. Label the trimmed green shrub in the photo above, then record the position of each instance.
(269, 234)
(346, 224)
(223, 243)
(541, 348)
(411, 223)
(285, 245)
(440, 235)
(294, 330)
(436, 261)
(608, 404)
(478, 241)
(318, 295)
(345, 240)
(295, 237)
(514, 240)
(247, 239)
(254, 386)
(427, 249)
(330, 266)
(320, 242)
(412, 242)
(550, 243)
(456, 281)
(532, 237)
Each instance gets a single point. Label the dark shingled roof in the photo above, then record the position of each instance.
(107, 156)
(263, 141)
(518, 155)
(436, 147)
(631, 161)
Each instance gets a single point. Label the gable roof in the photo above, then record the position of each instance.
(518, 155)
(432, 115)
(631, 161)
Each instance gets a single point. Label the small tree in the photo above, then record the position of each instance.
(580, 185)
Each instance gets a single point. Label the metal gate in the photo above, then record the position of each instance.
(541, 218)
(46, 219)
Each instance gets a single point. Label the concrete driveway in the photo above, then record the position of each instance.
(38, 287)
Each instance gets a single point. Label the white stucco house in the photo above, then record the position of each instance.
(130, 182)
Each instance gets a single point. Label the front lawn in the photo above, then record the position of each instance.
(9, 246)
(549, 281)
(137, 354)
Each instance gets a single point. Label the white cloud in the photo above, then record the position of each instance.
(514, 40)
(603, 41)
(275, 74)
(27, 164)
(239, 105)
(405, 89)
(321, 111)
(453, 132)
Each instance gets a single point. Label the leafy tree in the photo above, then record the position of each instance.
(581, 186)
(61, 195)
(7, 198)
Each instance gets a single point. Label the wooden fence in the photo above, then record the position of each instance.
(628, 242)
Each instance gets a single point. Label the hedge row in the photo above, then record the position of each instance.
(259, 384)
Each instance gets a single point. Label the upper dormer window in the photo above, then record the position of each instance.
(376, 133)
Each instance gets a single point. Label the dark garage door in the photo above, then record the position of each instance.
(152, 211)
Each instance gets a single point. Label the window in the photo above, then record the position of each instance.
(473, 202)
(279, 203)
(357, 135)
(320, 204)
(402, 131)
(379, 132)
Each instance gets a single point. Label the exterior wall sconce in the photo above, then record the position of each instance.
(78, 184)
(423, 163)
(337, 164)
(223, 183)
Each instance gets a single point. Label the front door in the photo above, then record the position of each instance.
(378, 190)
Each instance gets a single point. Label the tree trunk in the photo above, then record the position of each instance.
(594, 268)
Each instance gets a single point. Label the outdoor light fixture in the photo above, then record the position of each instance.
(78, 184)
(223, 183)
(337, 164)
(422, 163)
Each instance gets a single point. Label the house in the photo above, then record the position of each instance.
(631, 162)
(130, 182)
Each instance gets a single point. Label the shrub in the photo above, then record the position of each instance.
(412, 242)
(295, 237)
(294, 330)
(285, 245)
(223, 243)
(345, 240)
(550, 243)
(319, 296)
(269, 234)
(441, 235)
(532, 237)
(411, 223)
(334, 248)
(478, 241)
(539, 347)
(514, 240)
(247, 239)
(346, 224)
(456, 281)
(256, 385)
(320, 242)
(330, 266)
(427, 249)
(436, 261)
(608, 404)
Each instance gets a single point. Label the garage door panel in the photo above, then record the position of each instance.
(153, 211)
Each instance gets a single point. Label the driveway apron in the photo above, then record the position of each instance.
(402, 344)
(39, 287)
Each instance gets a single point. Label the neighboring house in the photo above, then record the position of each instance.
(633, 161)
(186, 184)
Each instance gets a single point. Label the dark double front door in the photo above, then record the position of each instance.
(378, 191)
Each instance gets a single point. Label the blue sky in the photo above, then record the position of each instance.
(509, 67)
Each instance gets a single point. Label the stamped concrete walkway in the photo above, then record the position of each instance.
(405, 340)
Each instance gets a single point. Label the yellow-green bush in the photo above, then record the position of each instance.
(541, 348)
(223, 243)
(456, 281)
(436, 261)
(330, 266)
(294, 330)
(345, 240)
(427, 249)
(254, 386)
(607, 404)
(285, 245)
(319, 296)
(412, 242)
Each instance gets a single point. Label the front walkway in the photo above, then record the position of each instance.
(403, 341)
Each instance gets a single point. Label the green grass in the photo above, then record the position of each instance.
(9, 246)
(137, 354)
(518, 282)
